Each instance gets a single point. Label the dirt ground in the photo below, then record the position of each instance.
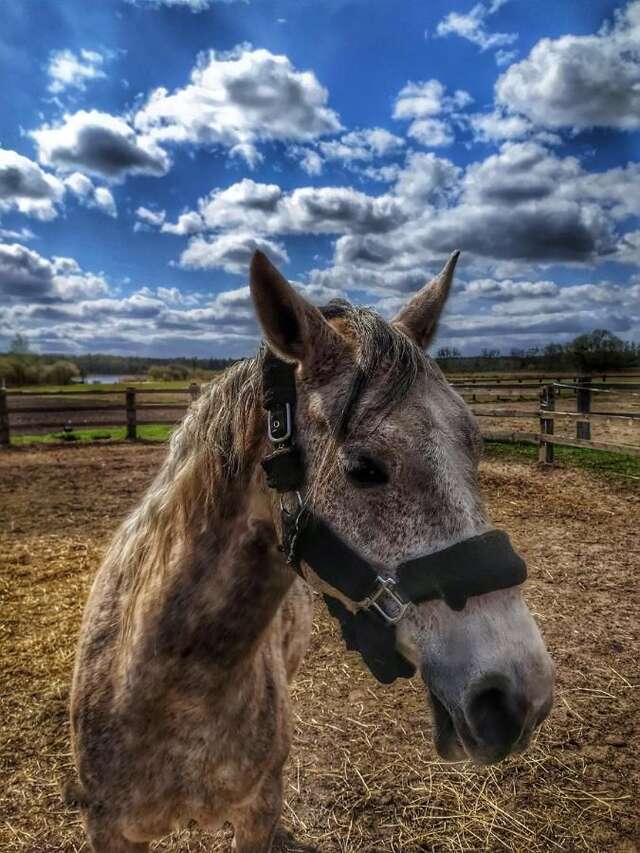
(363, 774)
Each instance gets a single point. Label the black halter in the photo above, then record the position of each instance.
(475, 566)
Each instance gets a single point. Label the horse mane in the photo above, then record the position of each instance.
(217, 440)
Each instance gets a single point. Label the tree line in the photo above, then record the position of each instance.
(19, 366)
(594, 351)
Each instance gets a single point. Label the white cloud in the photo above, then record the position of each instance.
(68, 70)
(188, 223)
(89, 195)
(25, 187)
(24, 234)
(238, 99)
(431, 132)
(27, 276)
(505, 57)
(430, 111)
(628, 249)
(230, 252)
(365, 144)
(266, 208)
(193, 5)
(105, 202)
(508, 290)
(580, 81)
(473, 28)
(426, 179)
(498, 125)
(146, 216)
(99, 144)
(310, 161)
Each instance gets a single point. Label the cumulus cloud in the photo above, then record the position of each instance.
(365, 144)
(430, 111)
(187, 224)
(99, 144)
(473, 28)
(237, 100)
(351, 150)
(60, 308)
(105, 202)
(580, 81)
(91, 196)
(426, 179)
(68, 70)
(230, 252)
(524, 206)
(266, 208)
(498, 125)
(309, 160)
(25, 187)
(27, 276)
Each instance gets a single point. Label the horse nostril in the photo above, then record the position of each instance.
(496, 717)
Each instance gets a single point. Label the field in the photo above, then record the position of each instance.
(363, 774)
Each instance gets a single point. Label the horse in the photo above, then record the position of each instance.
(197, 620)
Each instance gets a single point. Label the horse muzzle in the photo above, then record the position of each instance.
(488, 690)
(492, 723)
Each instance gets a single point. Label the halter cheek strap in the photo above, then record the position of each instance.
(474, 566)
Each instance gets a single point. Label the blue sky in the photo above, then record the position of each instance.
(147, 147)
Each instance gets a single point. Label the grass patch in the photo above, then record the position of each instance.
(598, 461)
(147, 432)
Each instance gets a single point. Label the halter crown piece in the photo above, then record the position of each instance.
(475, 566)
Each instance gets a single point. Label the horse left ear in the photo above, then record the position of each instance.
(420, 315)
(293, 327)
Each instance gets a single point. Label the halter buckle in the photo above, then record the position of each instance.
(279, 425)
(386, 589)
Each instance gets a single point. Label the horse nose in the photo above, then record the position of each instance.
(497, 715)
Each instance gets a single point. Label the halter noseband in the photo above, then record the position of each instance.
(475, 566)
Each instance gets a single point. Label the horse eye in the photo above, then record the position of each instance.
(364, 472)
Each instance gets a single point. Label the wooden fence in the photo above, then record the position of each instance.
(577, 390)
(554, 398)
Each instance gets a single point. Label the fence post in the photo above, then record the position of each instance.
(5, 435)
(194, 391)
(548, 404)
(583, 405)
(132, 425)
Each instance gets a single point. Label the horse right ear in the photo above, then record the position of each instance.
(293, 327)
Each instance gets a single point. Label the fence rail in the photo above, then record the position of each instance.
(132, 409)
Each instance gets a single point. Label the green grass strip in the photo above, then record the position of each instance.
(598, 461)
(146, 432)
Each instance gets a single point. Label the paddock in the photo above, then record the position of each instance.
(363, 774)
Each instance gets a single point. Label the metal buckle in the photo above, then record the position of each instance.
(275, 426)
(387, 588)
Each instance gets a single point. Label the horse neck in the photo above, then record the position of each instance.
(225, 581)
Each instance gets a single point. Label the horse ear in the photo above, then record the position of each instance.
(293, 327)
(420, 315)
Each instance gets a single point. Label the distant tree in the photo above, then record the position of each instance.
(448, 352)
(19, 345)
(59, 373)
(600, 350)
(490, 353)
(169, 372)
